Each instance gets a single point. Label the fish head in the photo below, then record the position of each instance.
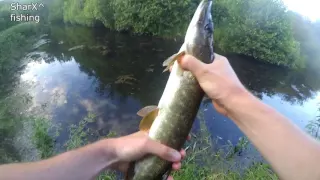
(199, 37)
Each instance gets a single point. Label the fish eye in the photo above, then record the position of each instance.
(209, 28)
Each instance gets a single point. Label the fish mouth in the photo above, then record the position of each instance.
(202, 16)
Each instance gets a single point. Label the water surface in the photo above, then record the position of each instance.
(76, 71)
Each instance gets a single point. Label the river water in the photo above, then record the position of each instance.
(75, 71)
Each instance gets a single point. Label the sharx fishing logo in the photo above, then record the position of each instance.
(25, 12)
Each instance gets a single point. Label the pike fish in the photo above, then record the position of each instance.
(171, 120)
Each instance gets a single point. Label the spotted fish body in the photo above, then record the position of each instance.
(181, 98)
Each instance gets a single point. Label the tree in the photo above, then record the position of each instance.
(258, 28)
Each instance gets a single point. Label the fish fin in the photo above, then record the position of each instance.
(170, 61)
(146, 110)
(147, 120)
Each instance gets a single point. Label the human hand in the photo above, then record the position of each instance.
(218, 80)
(133, 147)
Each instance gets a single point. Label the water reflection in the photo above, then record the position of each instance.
(113, 75)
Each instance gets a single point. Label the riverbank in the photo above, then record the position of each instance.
(32, 126)
(81, 85)
(204, 161)
(15, 42)
(263, 29)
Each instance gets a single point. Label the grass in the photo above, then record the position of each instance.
(14, 42)
(204, 160)
(79, 136)
(79, 133)
(10, 123)
(41, 138)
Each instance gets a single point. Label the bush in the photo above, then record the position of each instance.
(14, 42)
(257, 28)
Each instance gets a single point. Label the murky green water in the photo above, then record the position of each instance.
(78, 70)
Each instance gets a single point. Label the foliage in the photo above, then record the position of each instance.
(19, 37)
(79, 136)
(257, 28)
(79, 133)
(148, 17)
(55, 9)
(202, 164)
(153, 16)
(238, 148)
(43, 141)
(9, 124)
(308, 35)
(5, 23)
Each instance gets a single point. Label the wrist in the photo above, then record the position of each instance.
(107, 152)
(237, 101)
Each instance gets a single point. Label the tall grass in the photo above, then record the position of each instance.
(11, 120)
(206, 161)
(14, 43)
(79, 133)
(43, 137)
(79, 136)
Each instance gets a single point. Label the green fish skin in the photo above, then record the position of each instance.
(181, 98)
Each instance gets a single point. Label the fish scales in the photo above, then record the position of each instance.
(181, 98)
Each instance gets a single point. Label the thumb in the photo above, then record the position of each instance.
(192, 64)
(164, 152)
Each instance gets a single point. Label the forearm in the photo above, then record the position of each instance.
(83, 163)
(291, 152)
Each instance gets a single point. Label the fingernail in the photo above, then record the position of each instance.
(175, 155)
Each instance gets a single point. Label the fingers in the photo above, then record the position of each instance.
(183, 153)
(176, 166)
(162, 151)
(192, 64)
(170, 178)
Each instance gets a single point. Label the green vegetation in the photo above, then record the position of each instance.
(10, 122)
(202, 162)
(16, 39)
(262, 29)
(308, 35)
(257, 28)
(313, 126)
(43, 136)
(79, 133)
(205, 163)
(4, 17)
(14, 43)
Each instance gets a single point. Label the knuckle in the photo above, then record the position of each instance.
(165, 151)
